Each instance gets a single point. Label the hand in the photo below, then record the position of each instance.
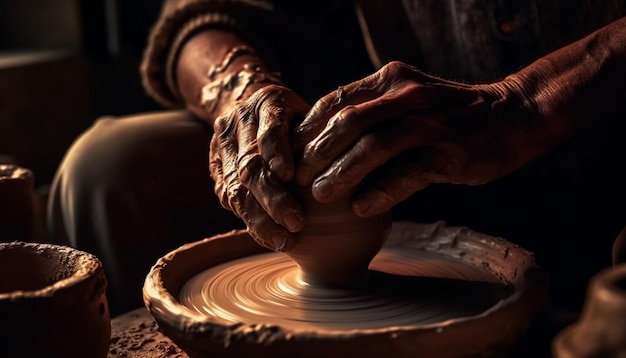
(251, 162)
(399, 130)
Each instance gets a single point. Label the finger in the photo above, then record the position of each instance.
(274, 141)
(217, 174)
(275, 118)
(410, 101)
(354, 93)
(344, 128)
(263, 229)
(402, 180)
(234, 195)
(385, 80)
(339, 133)
(423, 91)
(222, 143)
(370, 152)
(270, 193)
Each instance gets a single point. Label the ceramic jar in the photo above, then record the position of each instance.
(52, 302)
(16, 203)
(601, 329)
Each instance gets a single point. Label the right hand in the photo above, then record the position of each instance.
(395, 132)
(251, 162)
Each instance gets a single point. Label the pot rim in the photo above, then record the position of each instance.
(86, 266)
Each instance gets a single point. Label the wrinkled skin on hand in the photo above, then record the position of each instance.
(398, 130)
(251, 162)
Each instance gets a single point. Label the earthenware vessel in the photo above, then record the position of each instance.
(335, 246)
(493, 332)
(601, 328)
(16, 203)
(52, 302)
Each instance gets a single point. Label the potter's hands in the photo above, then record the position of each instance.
(399, 130)
(251, 161)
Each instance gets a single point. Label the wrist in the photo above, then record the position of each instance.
(511, 98)
(216, 69)
(231, 84)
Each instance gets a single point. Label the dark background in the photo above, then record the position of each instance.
(64, 63)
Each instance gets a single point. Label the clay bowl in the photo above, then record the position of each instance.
(492, 331)
(52, 302)
(16, 205)
(601, 329)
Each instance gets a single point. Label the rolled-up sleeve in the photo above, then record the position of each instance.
(253, 20)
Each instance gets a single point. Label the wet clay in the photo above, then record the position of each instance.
(335, 247)
(52, 302)
(403, 288)
(432, 291)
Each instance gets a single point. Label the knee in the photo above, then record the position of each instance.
(116, 150)
(95, 157)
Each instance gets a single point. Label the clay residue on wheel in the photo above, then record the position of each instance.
(138, 336)
(404, 289)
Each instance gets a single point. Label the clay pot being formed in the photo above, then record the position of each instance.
(16, 203)
(335, 247)
(601, 329)
(52, 302)
(492, 331)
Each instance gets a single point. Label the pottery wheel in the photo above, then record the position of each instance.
(405, 287)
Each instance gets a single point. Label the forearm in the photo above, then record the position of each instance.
(570, 89)
(217, 68)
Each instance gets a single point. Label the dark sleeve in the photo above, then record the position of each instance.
(275, 28)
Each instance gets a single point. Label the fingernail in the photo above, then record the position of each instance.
(361, 207)
(260, 240)
(275, 163)
(294, 222)
(280, 241)
(323, 188)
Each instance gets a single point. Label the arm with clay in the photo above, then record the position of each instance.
(399, 130)
(250, 152)
(220, 71)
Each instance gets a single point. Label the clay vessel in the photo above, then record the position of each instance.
(335, 247)
(16, 203)
(601, 329)
(52, 302)
(493, 332)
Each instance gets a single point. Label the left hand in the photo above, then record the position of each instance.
(251, 163)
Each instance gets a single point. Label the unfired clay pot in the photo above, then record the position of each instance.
(52, 302)
(491, 332)
(335, 247)
(16, 203)
(601, 329)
